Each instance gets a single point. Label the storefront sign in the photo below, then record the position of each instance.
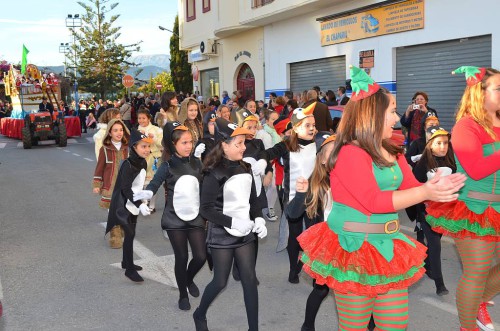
(367, 59)
(400, 17)
(247, 53)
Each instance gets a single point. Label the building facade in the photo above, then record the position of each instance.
(406, 46)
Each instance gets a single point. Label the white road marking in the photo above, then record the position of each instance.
(19, 144)
(66, 150)
(86, 158)
(2, 145)
(1, 291)
(452, 309)
(157, 268)
(76, 154)
(73, 141)
(90, 139)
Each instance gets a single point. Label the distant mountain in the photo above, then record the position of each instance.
(151, 65)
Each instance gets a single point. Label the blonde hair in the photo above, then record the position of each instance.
(319, 185)
(472, 104)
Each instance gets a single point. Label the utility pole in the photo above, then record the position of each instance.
(72, 22)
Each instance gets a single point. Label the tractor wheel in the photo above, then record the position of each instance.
(63, 138)
(26, 138)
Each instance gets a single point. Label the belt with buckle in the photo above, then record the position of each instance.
(484, 196)
(381, 228)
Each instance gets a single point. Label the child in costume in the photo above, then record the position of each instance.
(359, 251)
(190, 117)
(229, 203)
(474, 219)
(313, 202)
(113, 151)
(124, 208)
(181, 172)
(102, 127)
(298, 153)
(437, 154)
(154, 159)
(207, 142)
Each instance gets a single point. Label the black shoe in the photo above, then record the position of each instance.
(200, 323)
(136, 267)
(184, 304)
(134, 276)
(442, 290)
(293, 277)
(193, 290)
(306, 328)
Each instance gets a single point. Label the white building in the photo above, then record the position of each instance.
(264, 46)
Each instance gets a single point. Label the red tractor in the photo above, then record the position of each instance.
(43, 126)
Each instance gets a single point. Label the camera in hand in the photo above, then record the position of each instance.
(416, 107)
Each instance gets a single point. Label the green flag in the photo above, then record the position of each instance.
(25, 59)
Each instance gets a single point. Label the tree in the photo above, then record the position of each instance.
(164, 78)
(180, 69)
(100, 59)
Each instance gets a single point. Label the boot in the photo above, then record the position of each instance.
(115, 237)
(200, 322)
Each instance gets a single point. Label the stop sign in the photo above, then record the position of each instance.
(128, 81)
(158, 86)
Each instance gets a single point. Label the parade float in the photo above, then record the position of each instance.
(26, 122)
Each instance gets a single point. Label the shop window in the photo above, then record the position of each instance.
(260, 3)
(190, 10)
(206, 5)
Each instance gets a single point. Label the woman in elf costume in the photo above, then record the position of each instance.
(359, 251)
(474, 219)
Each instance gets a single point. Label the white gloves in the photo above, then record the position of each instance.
(143, 195)
(144, 209)
(199, 150)
(242, 225)
(416, 158)
(260, 227)
(259, 167)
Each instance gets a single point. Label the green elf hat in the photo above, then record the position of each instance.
(362, 84)
(473, 75)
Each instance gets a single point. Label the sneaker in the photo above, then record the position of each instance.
(483, 318)
(271, 216)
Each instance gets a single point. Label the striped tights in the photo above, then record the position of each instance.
(480, 281)
(390, 311)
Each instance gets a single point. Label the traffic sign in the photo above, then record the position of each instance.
(158, 86)
(128, 81)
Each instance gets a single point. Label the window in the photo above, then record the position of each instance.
(206, 6)
(190, 10)
(260, 3)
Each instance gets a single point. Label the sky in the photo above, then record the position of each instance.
(41, 27)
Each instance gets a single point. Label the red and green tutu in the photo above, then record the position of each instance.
(364, 271)
(455, 219)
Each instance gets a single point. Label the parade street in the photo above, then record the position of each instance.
(57, 271)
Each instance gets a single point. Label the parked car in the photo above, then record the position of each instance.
(397, 135)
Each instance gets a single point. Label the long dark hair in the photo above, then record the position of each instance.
(429, 160)
(165, 99)
(362, 124)
(215, 157)
(176, 136)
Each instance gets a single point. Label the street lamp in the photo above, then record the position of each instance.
(72, 22)
(64, 48)
(165, 29)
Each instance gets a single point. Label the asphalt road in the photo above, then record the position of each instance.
(58, 273)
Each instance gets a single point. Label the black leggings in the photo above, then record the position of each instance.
(318, 294)
(184, 273)
(223, 260)
(128, 245)
(433, 259)
(293, 248)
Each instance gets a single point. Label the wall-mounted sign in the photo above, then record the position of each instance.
(367, 59)
(400, 17)
(241, 53)
(196, 56)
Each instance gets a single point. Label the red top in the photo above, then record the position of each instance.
(353, 182)
(278, 109)
(468, 137)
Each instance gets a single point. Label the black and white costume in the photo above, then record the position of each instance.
(228, 197)
(181, 217)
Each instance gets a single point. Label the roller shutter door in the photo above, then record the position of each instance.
(428, 68)
(327, 73)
